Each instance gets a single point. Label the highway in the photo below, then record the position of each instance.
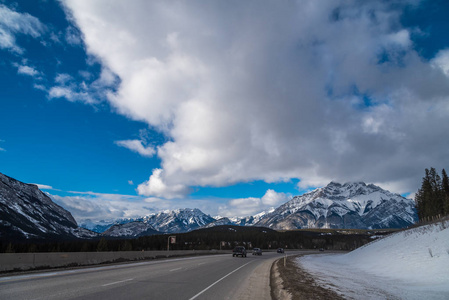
(200, 277)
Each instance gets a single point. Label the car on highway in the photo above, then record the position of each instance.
(257, 251)
(239, 250)
(280, 250)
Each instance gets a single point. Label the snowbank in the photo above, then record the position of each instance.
(412, 264)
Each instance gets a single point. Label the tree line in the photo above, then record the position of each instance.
(221, 237)
(432, 199)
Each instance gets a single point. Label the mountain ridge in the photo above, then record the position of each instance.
(349, 205)
(28, 212)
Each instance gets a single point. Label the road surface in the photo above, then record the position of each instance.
(200, 277)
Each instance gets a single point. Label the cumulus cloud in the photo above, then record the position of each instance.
(97, 206)
(243, 90)
(155, 186)
(243, 207)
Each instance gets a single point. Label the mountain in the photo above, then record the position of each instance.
(180, 220)
(97, 226)
(219, 222)
(250, 220)
(175, 221)
(26, 212)
(351, 205)
(132, 229)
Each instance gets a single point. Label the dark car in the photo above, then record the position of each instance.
(239, 250)
(280, 250)
(257, 251)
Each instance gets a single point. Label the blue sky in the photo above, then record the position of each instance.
(121, 109)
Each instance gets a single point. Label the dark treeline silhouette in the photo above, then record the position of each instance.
(432, 199)
(220, 237)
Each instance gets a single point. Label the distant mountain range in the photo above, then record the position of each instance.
(27, 212)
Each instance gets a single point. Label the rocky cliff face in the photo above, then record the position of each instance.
(351, 205)
(26, 212)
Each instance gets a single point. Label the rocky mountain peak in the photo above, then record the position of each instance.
(25, 211)
(348, 205)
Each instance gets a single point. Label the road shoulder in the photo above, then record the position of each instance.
(257, 286)
(293, 282)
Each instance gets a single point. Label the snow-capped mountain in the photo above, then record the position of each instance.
(26, 212)
(219, 222)
(180, 220)
(250, 220)
(351, 205)
(175, 221)
(131, 229)
(97, 226)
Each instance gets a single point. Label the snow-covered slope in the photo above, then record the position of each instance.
(351, 205)
(411, 264)
(250, 220)
(26, 212)
(219, 222)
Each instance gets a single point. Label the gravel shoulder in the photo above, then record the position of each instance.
(293, 282)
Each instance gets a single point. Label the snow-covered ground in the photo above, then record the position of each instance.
(412, 264)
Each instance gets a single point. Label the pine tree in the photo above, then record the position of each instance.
(432, 200)
(422, 197)
(102, 245)
(436, 196)
(445, 186)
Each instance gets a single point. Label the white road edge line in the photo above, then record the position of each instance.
(118, 282)
(175, 269)
(219, 281)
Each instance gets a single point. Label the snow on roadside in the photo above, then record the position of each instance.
(411, 264)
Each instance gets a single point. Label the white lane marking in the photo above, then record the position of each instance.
(118, 282)
(219, 281)
(201, 263)
(175, 269)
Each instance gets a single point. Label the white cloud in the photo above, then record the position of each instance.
(27, 70)
(96, 206)
(88, 92)
(100, 207)
(270, 91)
(44, 186)
(441, 61)
(72, 36)
(137, 146)
(155, 186)
(12, 23)
(243, 207)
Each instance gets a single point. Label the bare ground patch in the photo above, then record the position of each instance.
(293, 282)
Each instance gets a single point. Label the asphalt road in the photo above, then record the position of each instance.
(201, 277)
